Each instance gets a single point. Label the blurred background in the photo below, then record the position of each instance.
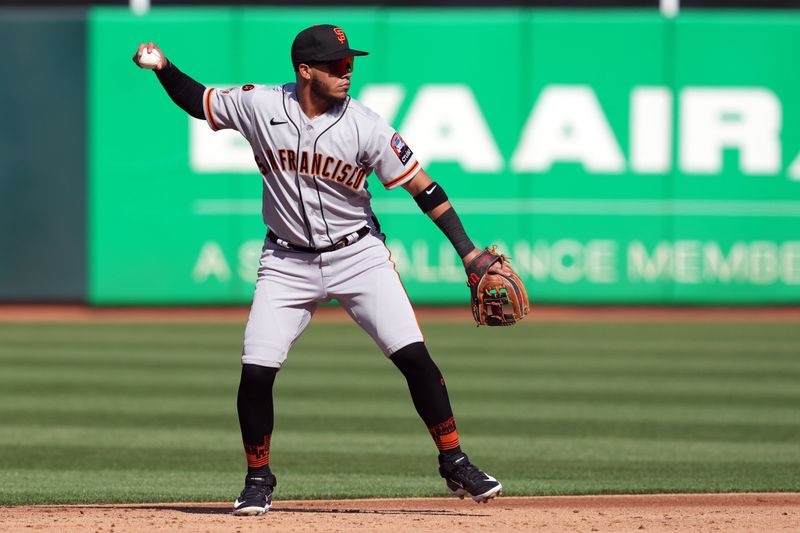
(622, 152)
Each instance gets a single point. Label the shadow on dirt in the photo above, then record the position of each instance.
(428, 512)
(220, 510)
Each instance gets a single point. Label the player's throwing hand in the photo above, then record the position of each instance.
(149, 56)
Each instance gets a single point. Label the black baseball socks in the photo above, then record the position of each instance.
(429, 394)
(256, 416)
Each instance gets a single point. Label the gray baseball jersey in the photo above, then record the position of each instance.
(314, 170)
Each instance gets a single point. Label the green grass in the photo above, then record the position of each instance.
(124, 413)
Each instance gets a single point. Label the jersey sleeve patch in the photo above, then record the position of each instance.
(400, 148)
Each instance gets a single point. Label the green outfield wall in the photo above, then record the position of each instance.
(618, 157)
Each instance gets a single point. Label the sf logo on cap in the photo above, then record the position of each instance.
(340, 34)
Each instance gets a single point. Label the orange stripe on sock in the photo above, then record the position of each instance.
(445, 435)
(256, 463)
(447, 442)
(258, 454)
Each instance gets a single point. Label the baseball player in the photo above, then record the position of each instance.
(315, 147)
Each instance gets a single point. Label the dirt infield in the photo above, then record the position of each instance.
(702, 512)
(81, 313)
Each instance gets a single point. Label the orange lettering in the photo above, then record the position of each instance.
(345, 171)
(304, 162)
(316, 163)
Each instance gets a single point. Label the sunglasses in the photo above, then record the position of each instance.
(339, 67)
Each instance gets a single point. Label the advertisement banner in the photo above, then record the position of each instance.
(617, 157)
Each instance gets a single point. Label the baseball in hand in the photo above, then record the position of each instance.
(149, 59)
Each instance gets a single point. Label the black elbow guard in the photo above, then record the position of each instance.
(432, 197)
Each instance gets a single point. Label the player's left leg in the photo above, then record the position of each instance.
(429, 394)
(370, 290)
(365, 282)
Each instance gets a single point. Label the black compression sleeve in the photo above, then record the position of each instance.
(432, 197)
(184, 91)
(453, 229)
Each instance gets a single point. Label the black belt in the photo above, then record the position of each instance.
(347, 240)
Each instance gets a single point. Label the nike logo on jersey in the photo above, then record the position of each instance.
(273, 122)
(429, 191)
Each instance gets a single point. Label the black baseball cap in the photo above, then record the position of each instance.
(321, 42)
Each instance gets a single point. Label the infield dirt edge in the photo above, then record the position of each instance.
(655, 512)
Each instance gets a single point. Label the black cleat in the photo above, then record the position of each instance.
(256, 498)
(464, 478)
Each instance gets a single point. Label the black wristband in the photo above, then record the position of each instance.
(184, 91)
(453, 229)
(432, 197)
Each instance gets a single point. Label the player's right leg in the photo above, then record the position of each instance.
(288, 289)
(285, 298)
(256, 419)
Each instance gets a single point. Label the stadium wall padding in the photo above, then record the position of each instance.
(43, 156)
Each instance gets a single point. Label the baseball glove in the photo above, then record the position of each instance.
(497, 299)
